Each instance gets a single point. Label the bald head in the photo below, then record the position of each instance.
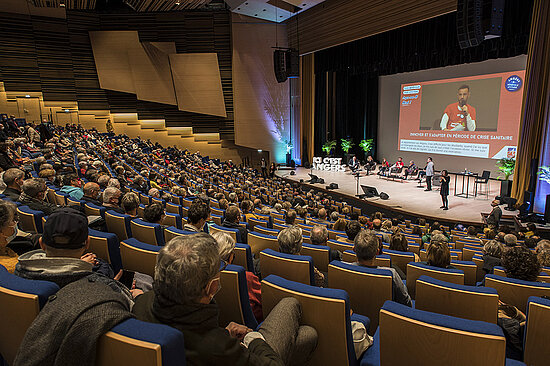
(91, 190)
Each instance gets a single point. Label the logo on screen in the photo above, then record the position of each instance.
(511, 153)
(513, 83)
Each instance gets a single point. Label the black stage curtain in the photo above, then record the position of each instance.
(354, 68)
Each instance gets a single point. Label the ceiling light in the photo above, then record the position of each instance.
(27, 96)
(67, 111)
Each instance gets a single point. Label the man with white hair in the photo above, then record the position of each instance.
(111, 199)
(187, 278)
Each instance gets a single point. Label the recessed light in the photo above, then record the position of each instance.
(263, 10)
(62, 5)
(260, 150)
(67, 111)
(27, 96)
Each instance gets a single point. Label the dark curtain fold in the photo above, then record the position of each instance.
(320, 116)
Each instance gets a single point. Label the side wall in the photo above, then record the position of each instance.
(262, 105)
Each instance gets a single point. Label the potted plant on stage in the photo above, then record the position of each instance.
(544, 175)
(346, 145)
(367, 145)
(506, 166)
(329, 146)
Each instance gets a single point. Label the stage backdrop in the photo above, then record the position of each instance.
(389, 105)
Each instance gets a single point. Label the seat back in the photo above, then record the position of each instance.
(266, 231)
(516, 292)
(485, 175)
(468, 302)
(92, 210)
(368, 288)
(400, 259)
(338, 245)
(232, 298)
(172, 220)
(259, 242)
(470, 271)
(326, 310)
(139, 257)
(382, 260)
(30, 220)
(252, 223)
(134, 343)
(147, 232)
(60, 198)
(320, 255)
(106, 246)
(174, 208)
(536, 350)
(171, 232)
(412, 337)
(418, 269)
(20, 302)
(234, 233)
(243, 257)
(298, 268)
(542, 277)
(118, 224)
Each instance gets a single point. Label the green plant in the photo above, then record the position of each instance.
(544, 174)
(506, 166)
(367, 145)
(346, 144)
(328, 146)
(288, 145)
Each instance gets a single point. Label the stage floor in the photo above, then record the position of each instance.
(406, 196)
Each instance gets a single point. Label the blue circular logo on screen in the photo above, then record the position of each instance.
(513, 83)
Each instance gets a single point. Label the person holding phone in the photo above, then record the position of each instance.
(444, 191)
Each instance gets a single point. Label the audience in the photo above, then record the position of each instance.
(352, 229)
(130, 203)
(91, 192)
(438, 253)
(521, 263)
(34, 193)
(111, 199)
(187, 278)
(492, 253)
(319, 236)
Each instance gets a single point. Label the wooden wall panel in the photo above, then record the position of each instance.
(335, 22)
(151, 73)
(198, 83)
(111, 55)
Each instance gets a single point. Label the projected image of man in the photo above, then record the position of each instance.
(459, 116)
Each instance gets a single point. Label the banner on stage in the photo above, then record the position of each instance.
(328, 164)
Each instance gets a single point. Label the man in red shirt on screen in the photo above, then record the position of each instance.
(459, 116)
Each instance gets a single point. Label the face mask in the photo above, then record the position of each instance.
(12, 236)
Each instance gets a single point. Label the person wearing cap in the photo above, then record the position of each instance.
(62, 258)
(493, 220)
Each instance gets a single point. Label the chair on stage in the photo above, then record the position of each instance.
(484, 179)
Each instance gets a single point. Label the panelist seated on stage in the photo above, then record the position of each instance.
(384, 167)
(411, 170)
(370, 164)
(353, 163)
(398, 166)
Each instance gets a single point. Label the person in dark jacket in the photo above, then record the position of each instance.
(492, 253)
(6, 162)
(187, 278)
(34, 192)
(232, 216)
(13, 178)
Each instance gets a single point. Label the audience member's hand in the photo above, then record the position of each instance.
(90, 258)
(237, 330)
(118, 275)
(136, 292)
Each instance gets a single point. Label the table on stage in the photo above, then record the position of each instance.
(465, 183)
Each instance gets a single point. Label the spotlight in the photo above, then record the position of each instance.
(260, 150)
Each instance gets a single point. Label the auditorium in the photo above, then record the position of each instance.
(274, 182)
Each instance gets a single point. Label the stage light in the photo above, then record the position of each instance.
(260, 150)
(62, 5)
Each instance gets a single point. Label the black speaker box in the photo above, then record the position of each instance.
(279, 65)
(477, 20)
(292, 64)
(384, 196)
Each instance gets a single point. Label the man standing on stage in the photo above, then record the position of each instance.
(459, 116)
(429, 174)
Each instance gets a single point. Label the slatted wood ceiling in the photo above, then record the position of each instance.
(336, 22)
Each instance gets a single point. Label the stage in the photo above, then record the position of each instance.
(406, 197)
